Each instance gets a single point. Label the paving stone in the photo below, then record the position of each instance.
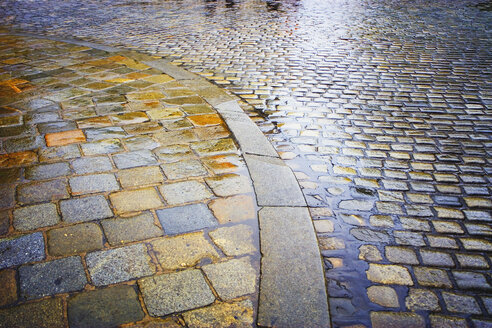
(472, 261)
(43, 314)
(47, 171)
(35, 216)
(422, 299)
(92, 165)
(447, 321)
(4, 222)
(50, 278)
(369, 253)
(436, 258)
(233, 278)
(383, 295)
(395, 320)
(487, 301)
(476, 244)
(401, 255)
(120, 264)
(471, 280)
(432, 277)
(238, 314)
(135, 200)
(140, 176)
(175, 292)
(94, 183)
(183, 251)
(184, 192)
(330, 243)
(235, 240)
(111, 132)
(275, 184)
(461, 303)
(8, 293)
(184, 169)
(85, 209)
(370, 235)
(124, 230)
(290, 251)
(442, 242)
(108, 307)
(323, 226)
(106, 146)
(42, 191)
(134, 159)
(58, 153)
(233, 209)
(64, 138)
(389, 274)
(409, 238)
(20, 250)
(229, 185)
(76, 239)
(13, 145)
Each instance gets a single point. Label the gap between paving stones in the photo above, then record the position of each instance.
(292, 283)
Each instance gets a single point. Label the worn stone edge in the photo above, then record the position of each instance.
(225, 104)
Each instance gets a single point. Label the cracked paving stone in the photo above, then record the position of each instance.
(187, 218)
(35, 216)
(50, 278)
(108, 307)
(79, 238)
(125, 230)
(47, 313)
(235, 240)
(175, 292)
(183, 251)
(238, 314)
(233, 278)
(120, 264)
(85, 209)
(21, 250)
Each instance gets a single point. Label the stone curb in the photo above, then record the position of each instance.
(292, 283)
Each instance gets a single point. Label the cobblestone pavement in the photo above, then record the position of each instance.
(123, 196)
(383, 108)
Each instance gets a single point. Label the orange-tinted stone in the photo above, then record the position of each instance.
(8, 292)
(208, 119)
(136, 75)
(18, 159)
(64, 138)
(233, 209)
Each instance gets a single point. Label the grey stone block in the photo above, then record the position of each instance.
(35, 216)
(89, 184)
(42, 191)
(50, 278)
(182, 219)
(274, 182)
(292, 284)
(124, 230)
(175, 292)
(85, 209)
(134, 159)
(121, 264)
(47, 171)
(91, 164)
(20, 250)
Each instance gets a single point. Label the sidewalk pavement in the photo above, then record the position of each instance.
(127, 200)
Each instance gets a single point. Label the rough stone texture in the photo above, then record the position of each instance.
(432, 277)
(461, 303)
(175, 292)
(401, 255)
(50, 278)
(79, 238)
(275, 184)
(64, 138)
(184, 169)
(120, 264)
(42, 191)
(233, 209)
(396, 320)
(183, 251)
(107, 307)
(91, 164)
(184, 192)
(35, 216)
(447, 321)
(229, 184)
(47, 171)
(85, 209)
(20, 250)
(421, 299)
(8, 292)
(292, 288)
(89, 184)
(134, 159)
(389, 274)
(124, 230)
(235, 240)
(140, 176)
(238, 314)
(187, 218)
(43, 314)
(233, 278)
(383, 295)
(135, 200)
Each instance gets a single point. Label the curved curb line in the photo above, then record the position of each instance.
(292, 283)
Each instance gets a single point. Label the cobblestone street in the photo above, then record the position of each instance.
(383, 110)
